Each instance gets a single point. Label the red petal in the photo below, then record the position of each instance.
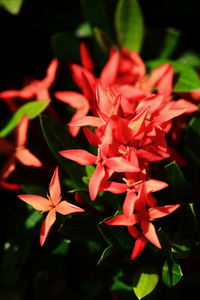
(51, 73)
(120, 164)
(66, 208)
(54, 188)
(115, 187)
(161, 211)
(162, 76)
(96, 180)
(81, 112)
(129, 203)
(139, 246)
(123, 220)
(46, 226)
(77, 72)
(92, 138)
(27, 158)
(87, 121)
(136, 123)
(37, 202)
(8, 168)
(86, 58)
(82, 157)
(21, 132)
(75, 100)
(109, 72)
(153, 185)
(150, 233)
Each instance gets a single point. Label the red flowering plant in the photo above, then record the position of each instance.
(122, 144)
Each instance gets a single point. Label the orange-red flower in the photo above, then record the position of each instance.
(52, 204)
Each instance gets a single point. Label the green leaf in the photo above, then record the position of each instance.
(144, 281)
(180, 251)
(129, 24)
(33, 219)
(179, 189)
(31, 109)
(171, 40)
(58, 139)
(117, 236)
(192, 140)
(84, 30)
(12, 6)
(190, 58)
(188, 79)
(119, 284)
(171, 272)
(103, 40)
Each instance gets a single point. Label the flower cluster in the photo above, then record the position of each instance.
(131, 113)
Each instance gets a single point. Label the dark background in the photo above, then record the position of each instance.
(26, 38)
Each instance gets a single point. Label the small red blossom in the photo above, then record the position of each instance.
(51, 204)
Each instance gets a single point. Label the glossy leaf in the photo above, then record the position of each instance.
(31, 109)
(62, 141)
(129, 24)
(179, 189)
(144, 281)
(188, 79)
(12, 6)
(171, 272)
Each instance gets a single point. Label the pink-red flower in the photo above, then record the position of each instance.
(145, 229)
(38, 89)
(51, 204)
(18, 151)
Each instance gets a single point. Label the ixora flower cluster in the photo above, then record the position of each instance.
(131, 113)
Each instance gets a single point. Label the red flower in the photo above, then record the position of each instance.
(143, 219)
(52, 204)
(17, 152)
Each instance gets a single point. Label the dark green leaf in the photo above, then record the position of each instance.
(179, 189)
(171, 272)
(58, 139)
(171, 40)
(117, 236)
(31, 109)
(180, 251)
(144, 281)
(96, 15)
(119, 285)
(129, 24)
(188, 79)
(65, 46)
